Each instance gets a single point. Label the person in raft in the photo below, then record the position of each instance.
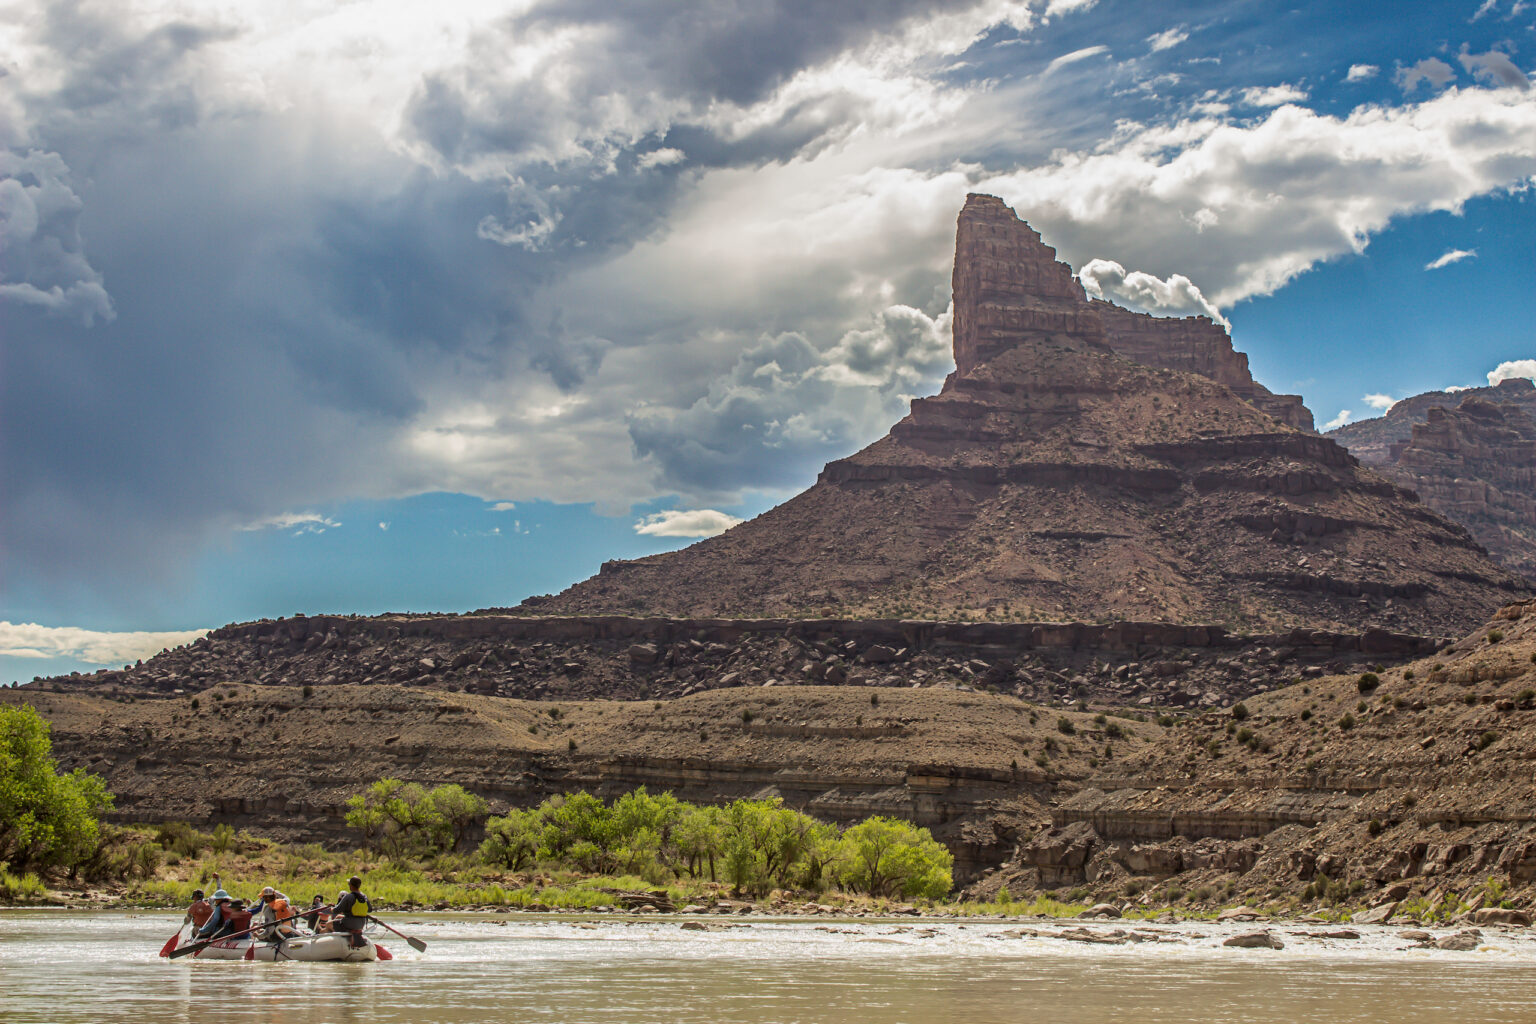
(199, 912)
(351, 911)
(221, 920)
(317, 917)
(274, 917)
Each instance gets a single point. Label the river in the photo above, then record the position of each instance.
(64, 967)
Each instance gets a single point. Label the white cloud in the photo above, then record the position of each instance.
(29, 640)
(1450, 256)
(1167, 39)
(1378, 401)
(1487, 7)
(504, 506)
(1075, 56)
(1451, 389)
(298, 522)
(699, 522)
(1431, 69)
(1338, 421)
(1511, 370)
(1361, 72)
(1282, 194)
(1274, 95)
(1177, 296)
(384, 526)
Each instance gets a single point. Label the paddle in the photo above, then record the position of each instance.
(165, 950)
(205, 943)
(415, 943)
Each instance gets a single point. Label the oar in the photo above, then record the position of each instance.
(415, 943)
(205, 943)
(165, 950)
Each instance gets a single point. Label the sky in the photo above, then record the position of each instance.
(371, 306)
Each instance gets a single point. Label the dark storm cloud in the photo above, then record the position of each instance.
(732, 50)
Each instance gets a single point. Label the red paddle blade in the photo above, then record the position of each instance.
(165, 950)
(384, 954)
(250, 951)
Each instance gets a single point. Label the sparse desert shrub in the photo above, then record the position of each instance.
(1064, 725)
(1495, 635)
(1367, 682)
(1306, 714)
(1487, 740)
(1240, 711)
(1347, 722)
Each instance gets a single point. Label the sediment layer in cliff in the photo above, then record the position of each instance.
(1470, 456)
(1057, 474)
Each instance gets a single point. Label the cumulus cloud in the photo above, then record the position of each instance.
(30, 640)
(45, 264)
(698, 522)
(1432, 70)
(1338, 421)
(1494, 68)
(1274, 95)
(1166, 39)
(1450, 256)
(1379, 402)
(1202, 193)
(1176, 296)
(1361, 72)
(504, 506)
(1511, 370)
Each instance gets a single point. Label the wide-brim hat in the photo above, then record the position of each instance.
(220, 895)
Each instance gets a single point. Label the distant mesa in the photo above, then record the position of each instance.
(1470, 455)
(1082, 462)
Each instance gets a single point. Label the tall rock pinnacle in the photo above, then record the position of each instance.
(1082, 462)
(1010, 289)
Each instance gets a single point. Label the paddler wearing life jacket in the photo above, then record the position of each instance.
(273, 916)
(352, 911)
(222, 919)
(199, 912)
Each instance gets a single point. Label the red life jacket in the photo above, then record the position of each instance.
(201, 911)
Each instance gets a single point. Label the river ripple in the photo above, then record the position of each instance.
(102, 968)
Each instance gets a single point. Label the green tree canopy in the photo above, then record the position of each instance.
(46, 819)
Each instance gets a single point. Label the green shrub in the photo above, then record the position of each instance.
(1306, 714)
(1367, 682)
(1525, 697)
(1495, 635)
(1240, 711)
(1487, 740)
(1064, 725)
(1347, 722)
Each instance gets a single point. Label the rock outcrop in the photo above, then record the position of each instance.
(1058, 474)
(1473, 460)
(620, 658)
(1010, 289)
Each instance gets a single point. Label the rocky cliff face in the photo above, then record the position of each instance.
(1010, 290)
(1470, 456)
(1371, 440)
(1054, 476)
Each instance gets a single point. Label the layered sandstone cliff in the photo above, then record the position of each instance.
(1057, 474)
(1470, 456)
(1010, 289)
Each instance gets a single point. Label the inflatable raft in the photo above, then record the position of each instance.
(305, 948)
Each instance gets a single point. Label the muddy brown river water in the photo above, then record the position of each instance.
(63, 967)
